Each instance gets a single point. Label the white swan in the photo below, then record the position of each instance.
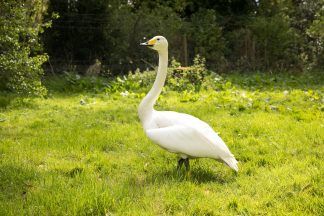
(179, 133)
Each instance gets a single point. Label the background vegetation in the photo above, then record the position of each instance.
(232, 35)
(239, 35)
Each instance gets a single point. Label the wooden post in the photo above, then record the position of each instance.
(265, 53)
(253, 53)
(185, 50)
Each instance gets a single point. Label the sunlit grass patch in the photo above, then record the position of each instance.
(62, 156)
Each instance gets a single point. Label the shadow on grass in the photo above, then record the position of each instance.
(15, 181)
(196, 175)
(14, 101)
(279, 81)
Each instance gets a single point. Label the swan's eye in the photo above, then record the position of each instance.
(158, 39)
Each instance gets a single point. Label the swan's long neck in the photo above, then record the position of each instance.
(146, 109)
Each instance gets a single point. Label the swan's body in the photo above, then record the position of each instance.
(179, 133)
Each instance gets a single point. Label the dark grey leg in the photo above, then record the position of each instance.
(180, 162)
(187, 165)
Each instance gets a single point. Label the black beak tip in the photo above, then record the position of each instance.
(146, 44)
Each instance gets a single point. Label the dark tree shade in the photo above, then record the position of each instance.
(231, 35)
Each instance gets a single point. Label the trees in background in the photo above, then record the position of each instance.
(243, 35)
(232, 35)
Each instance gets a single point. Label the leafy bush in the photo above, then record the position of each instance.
(137, 81)
(187, 78)
(20, 61)
(179, 78)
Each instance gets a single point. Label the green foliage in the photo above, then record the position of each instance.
(20, 61)
(179, 79)
(206, 37)
(316, 31)
(107, 30)
(240, 36)
(72, 82)
(4, 101)
(187, 78)
(276, 42)
(62, 157)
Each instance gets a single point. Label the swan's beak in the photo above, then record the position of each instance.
(149, 43)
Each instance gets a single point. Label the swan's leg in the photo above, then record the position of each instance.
(180, 162)
(187, 165)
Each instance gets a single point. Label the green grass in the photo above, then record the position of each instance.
(58, 157)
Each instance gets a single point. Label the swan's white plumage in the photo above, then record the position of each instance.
(179, 133)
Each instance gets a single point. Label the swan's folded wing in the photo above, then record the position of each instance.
(189, 141)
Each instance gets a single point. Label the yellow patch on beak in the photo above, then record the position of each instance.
(151, 42)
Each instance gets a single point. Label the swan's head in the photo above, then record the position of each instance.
(157, 43)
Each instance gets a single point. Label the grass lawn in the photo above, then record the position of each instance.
(61, 157)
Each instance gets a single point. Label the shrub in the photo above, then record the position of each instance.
(187, 78)
(20, 63)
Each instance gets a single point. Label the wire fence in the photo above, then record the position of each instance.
(81, 66)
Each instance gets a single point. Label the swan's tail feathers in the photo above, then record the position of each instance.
(231, 162)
